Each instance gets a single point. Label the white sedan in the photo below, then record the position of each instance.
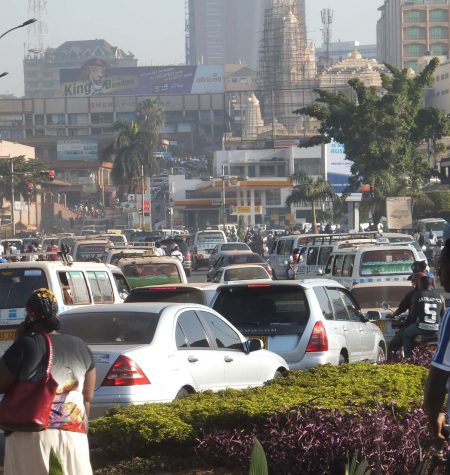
(241, 272)
(156, 352)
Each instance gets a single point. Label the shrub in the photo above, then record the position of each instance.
(145, 429)
(318, 441)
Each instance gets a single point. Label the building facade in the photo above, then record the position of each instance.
(340, 50)
(410, 29)
(41, 69)
(227, 31)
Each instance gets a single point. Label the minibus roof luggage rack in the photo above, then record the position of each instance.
(331, 238)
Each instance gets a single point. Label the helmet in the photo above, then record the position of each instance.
(175, 247)
(43, 303)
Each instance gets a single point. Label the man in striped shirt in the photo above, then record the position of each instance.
(436, 385)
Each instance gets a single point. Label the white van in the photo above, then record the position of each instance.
(315, 250)
(73, 285)
(379, 263)
(201, 245)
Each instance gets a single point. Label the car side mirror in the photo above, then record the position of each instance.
(254, 345)
(363, 317)
(373, 315)
(123, 295)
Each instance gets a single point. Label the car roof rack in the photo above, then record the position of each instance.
(331, 238)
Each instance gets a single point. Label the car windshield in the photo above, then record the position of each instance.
(386, 262)
(178, 295)
(437, 226)
(373, 297)
(207, 238)
(243, 259)
(111, 328)
(263, 305)
(143, 275)
(246, 273)
(16, 285)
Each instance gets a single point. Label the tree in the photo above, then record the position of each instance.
(385, 133)
(310, 190)
(134, 145)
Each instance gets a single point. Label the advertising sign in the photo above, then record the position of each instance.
(77, 150)
(337, 166)
(96, 78)
(399, 213)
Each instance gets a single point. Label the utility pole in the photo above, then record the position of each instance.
(13, 221)
(142, 197)
(224, 198)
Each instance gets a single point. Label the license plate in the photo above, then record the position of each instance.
(381, 324)
(265, 340)
(7, 335)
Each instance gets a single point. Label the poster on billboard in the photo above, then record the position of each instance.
(85, 150)
(338, 168)
(399, 213)
(96, 78)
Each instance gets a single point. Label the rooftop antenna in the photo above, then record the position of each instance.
(37, 32)
(327, 22)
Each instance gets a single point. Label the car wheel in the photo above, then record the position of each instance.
(342, 359)
(183, 392)
(381, 355)
(278, 374)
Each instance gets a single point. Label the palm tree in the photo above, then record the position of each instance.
(131, 149)
(310, 190)
(150, 118)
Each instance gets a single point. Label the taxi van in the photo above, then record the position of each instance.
(372, 263)
(74, 284)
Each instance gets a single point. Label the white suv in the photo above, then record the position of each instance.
(308, 323)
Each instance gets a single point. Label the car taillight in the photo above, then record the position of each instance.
(318, 340)
(125, 372)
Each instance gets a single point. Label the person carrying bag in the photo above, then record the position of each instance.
(48, 379)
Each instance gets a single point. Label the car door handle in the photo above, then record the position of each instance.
(228, 359)
(192, 359)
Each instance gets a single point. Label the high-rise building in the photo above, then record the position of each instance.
(227, 31)
(408, 30)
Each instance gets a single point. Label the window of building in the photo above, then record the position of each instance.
(439, 15)
(411, 64)
(415, 16)
(267, 170)
(102, 118)
(415, 49)
(56, 119)
(273, 197)
(78, 119)
(439, 33)
(251, 171)
(439, 49)
(39, 119)
(49, 83)
(414, 33)
(126, 116)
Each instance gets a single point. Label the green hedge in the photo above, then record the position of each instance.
(142, 430)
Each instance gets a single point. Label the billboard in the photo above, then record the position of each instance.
(85, 150)
(338, 168)
(96, 78)
(399, 213)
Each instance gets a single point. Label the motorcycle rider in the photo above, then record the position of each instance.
(426, 312)
(405, 306)
(438, 376)
(176, 252)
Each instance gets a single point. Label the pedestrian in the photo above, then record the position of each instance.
(52, 248)
(438, 375)
(74, 371)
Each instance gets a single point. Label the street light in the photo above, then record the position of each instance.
(25, 23)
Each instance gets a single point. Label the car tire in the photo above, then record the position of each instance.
(278, 374)
(183, 392)
(342, 359)
(381, 355)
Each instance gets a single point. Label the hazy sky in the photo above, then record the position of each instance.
(152, 29)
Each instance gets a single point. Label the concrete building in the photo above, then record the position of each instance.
(41, 69)
(227, 31)
(439, 94)
(410, 29)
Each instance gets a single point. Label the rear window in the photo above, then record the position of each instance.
(166, 295)
(243, 259)
(234, 246)
(111, 328)
(141, 275)
(86, 252)
(373, 297)
(386, 262)
(263, 305)
(206, 238)
(16, 285)
(246, 273)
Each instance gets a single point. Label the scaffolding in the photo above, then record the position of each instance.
(287, 67)
(327, 22)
